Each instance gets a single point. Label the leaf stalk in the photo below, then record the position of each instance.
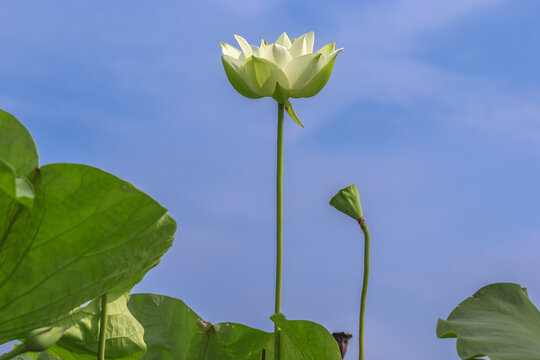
(365, 230)
(102, 328)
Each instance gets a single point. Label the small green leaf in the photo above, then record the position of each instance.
(17, 147)
(18, 188)
(498, 321)
(305, 340)
(18, 159)
(24, 191)
(169, 325)
(347, 200)
(292, 114)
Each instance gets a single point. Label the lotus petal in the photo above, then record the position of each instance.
(230, 50)
(244, 45)
(278, 54)
(327, 49)
(284, 40)
(303, 45)
(237, 81)
(302, 69)
(317, 83)
(261, 75)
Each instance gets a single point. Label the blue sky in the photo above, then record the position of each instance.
(432, 110)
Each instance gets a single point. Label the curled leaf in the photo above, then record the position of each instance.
(43, 338)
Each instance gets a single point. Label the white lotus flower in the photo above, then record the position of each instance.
(286, 68)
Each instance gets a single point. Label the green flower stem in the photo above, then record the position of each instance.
(20, 349)
(102, 328)
(365, 230)
(279, 226)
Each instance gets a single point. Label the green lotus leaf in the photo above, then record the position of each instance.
(174, 331)
(498, 321)
(87, 233)
(124, 337)
(305, 340)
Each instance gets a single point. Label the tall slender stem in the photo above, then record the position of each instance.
(279, 226)
(365, 230)
(102, 328)
(21, 349)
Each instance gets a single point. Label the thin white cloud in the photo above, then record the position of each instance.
(393, 25)
(379, 64)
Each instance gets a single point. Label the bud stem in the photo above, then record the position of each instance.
(102, 328)
(365, 230)
(20, 349)
(279, 226)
